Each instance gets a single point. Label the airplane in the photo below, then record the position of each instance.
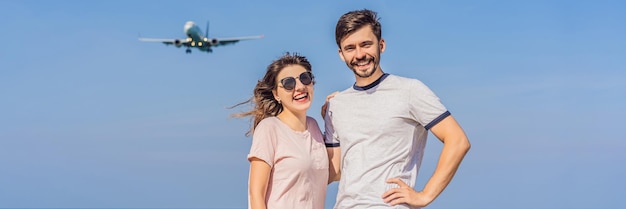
(195, 39)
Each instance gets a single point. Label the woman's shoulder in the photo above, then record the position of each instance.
(269, 126)
(268, 122)
(310, 119)
(312, 123)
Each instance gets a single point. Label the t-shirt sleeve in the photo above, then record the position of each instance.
(425, 107)
(314, 129)
(330, 137)
(263, 143)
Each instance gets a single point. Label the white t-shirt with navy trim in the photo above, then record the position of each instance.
(381, 130)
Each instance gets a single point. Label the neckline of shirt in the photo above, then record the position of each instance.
(371, 85)
(304, 133)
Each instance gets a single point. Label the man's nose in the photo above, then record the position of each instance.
(360, 53)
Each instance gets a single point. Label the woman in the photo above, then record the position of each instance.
(288, 160)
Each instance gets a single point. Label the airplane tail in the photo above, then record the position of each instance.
(207, 29)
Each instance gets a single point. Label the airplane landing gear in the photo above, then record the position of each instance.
(188, 51)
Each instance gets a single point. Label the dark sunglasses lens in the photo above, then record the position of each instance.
(288, 83)
(305, 78)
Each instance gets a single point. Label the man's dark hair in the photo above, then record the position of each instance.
(355, 20)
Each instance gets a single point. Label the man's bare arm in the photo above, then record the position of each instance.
(334, 164)
(455, 146)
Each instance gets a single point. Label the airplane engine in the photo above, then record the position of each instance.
(213, 42)
(177, 43)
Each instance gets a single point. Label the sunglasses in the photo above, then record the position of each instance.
(289, 83)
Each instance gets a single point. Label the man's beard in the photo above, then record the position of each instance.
(368, 72)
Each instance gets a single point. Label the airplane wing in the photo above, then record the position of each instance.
(166, 41)
(201, 43)
(226, 41)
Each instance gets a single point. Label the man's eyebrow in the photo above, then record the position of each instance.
(348, 46)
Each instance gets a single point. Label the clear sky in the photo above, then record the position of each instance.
(91, 117)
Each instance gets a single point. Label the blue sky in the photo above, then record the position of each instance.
(91, 117)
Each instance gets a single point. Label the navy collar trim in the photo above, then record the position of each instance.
(371, 85)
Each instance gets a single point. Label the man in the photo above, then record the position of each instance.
(376, 130)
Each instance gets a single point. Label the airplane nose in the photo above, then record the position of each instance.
(188, 25)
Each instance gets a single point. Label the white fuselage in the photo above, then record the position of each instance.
(194, 32)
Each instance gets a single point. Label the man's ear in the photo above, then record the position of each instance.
(382, 45)
(341, 55)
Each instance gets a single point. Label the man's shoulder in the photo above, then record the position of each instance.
(402, 79)
(408, 84)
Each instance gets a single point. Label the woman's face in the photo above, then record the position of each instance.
(295, 96)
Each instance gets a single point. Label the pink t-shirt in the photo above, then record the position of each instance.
(299, 164)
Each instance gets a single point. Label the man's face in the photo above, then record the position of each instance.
(361, 51)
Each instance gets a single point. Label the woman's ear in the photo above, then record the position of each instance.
(276, 96)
